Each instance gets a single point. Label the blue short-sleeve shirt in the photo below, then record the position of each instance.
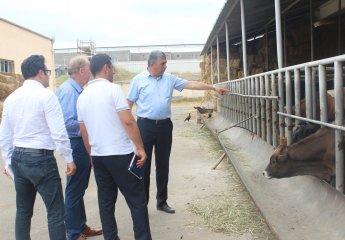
(153, 95)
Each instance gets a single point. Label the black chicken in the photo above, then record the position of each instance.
(188, 118)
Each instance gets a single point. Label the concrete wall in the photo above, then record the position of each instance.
(17, 43)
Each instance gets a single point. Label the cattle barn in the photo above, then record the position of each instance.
(291, 70)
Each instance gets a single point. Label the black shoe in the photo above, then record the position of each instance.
(165, 208)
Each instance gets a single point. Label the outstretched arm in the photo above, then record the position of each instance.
(194, 85)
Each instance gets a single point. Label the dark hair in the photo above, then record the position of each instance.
(32, 65)
(155, 56)
(98, 61)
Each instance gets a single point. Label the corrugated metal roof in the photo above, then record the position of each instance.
(259, 17)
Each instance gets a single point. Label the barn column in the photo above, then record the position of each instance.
(311, 19)
(280, 65)
(227, 50)
(244, 41)
(211, 64)
(218, 67)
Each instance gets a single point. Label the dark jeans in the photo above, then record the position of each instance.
(158, 135)
(37, 172)
(111, 173)
(75, 190)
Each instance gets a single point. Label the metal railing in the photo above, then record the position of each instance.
(272, 103)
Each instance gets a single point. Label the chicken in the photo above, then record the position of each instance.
(188, 118)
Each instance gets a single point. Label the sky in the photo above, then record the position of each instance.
(112, 23)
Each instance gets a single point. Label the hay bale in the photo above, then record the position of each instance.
(9, 83)
(5, 90)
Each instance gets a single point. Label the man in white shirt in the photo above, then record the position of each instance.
(76, 185)
(109, 131)
(32, 127)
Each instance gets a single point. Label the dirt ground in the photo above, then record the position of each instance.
(191, 180)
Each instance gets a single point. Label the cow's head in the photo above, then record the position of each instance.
(279, 165)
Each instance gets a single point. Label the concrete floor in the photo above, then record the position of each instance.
(191, 178)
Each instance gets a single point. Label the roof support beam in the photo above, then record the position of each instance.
(218, 67)
(212, 81)
(280, 64)
(244, 40)
(279, 33)
(227, 50)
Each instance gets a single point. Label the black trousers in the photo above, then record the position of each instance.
(157, 134)
(111, 173)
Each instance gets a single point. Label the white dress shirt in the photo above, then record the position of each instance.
(97, 108)
(32, 118)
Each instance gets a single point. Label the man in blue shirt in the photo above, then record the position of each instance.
(68, 93)
(152, 92)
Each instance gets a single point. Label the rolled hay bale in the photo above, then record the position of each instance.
(11, 78)
(235, 63)
(9, 83)
(1, 107)
(5, 90)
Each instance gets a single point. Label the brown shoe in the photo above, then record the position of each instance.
(89, 232)
(82, 237)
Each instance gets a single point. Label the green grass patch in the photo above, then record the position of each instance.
(60, 80)
(123, 75)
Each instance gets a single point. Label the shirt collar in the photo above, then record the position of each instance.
(148, 74)
(33, 82)
(98, 80)
(75, 85)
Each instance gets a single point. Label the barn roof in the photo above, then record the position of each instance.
(259, 18)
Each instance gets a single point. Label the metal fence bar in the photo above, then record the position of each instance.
(288, 106)
(308, 92)
(252, 91)
(297, 81)
(325, 61)
(268, 111)
(281, 104)
(274, 111)
(323, 93)
(339, 120)
(262, 109)
(257, 107)
(241, 104)
(255, 96)
(338, 127)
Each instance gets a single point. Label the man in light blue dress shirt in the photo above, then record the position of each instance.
(152, 92)
(68, 93)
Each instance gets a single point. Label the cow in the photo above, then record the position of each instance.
(313, 155)
(303, 130)
(330, 105)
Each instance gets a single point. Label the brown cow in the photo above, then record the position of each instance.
(313, 155)
(330, 105)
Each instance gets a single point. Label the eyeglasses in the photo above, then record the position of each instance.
(47, 72)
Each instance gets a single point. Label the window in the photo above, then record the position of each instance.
(6, 66)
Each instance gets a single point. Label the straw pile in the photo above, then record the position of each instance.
(8, 83)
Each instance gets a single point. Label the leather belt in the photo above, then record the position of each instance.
(34, 150)
(154, 121)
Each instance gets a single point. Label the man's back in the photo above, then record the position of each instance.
(25, 109)
(97, 109)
